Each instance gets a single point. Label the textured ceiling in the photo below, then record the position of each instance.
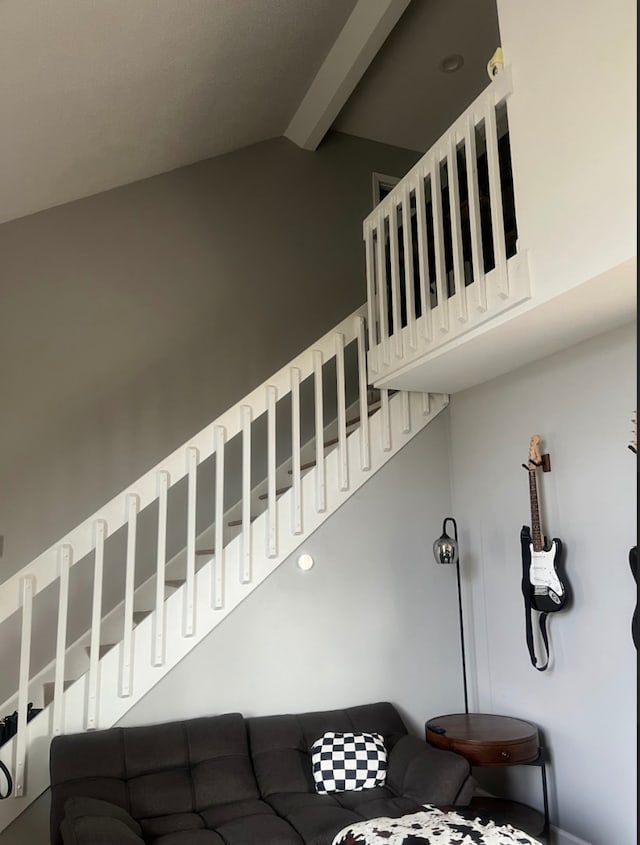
(99, 93)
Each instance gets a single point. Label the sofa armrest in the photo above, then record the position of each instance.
(429, 775)
(90, 821)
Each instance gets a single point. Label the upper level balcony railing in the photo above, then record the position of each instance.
(442, 253)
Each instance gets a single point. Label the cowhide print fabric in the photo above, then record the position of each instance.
(431, 827)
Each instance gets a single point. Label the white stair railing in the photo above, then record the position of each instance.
(439, 260)
(185, 613)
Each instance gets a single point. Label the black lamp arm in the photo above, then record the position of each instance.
(455, 527)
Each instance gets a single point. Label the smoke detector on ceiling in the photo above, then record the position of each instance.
(451, 63)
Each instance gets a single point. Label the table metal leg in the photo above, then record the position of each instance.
(541, 763)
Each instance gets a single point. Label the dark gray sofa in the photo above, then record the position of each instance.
(227, 780)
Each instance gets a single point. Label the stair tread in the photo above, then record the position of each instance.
(48, 689)
(102, 650)
(139, 615)
(176, 582)
(279, 492)
(51, 684)
(332, 441)
(205, 551)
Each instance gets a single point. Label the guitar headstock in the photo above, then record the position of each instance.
(633, 445)
(534, 453)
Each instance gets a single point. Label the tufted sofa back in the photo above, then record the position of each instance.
(178, 768)
(280, 744)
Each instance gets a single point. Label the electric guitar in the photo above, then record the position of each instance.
(547, 592)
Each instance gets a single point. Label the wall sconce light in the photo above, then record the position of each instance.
(305, 562)
(445, 551)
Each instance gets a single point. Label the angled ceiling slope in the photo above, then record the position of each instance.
(99, 94)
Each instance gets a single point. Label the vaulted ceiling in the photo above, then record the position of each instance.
(98, 93)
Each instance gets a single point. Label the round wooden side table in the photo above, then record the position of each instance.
(485, 739)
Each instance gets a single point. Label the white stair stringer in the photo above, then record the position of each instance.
(111, 706)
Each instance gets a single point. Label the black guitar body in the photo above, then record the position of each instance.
(633, 563)
(543, 597)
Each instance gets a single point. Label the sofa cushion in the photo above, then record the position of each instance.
(391, 807)
(261, 830)
(280, 745)
(155, 771)
(97, 830)
(76, 808)
(219, 814)
(174, 823)
(89, 820)
(426, 774)
(189, 837)
(317, 818)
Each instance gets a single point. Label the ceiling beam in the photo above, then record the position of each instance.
(363, 34)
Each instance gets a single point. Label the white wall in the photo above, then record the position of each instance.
(375, 619)
(580, 402)
(573, 129)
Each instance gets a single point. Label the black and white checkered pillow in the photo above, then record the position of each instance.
(348, 761)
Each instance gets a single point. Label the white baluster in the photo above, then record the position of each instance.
(126, 668)
(456, 230)
(406, 413)
(157, 658)
(395, 280)
(386, 420)
(408, 266)
(296, 516)
(321, 502)
(438, 237)
(423, 257)
(64, 562)
(189, 615)
(365, 445)
(477, 256)
(343, 466)
(100, 533)
(371, 295)
(381, 276)
(217, 581)
(272, 514)
(245, 555)
(27, 590)
(495, 196)
(426, 404)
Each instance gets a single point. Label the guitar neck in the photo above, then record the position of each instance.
(536, 530)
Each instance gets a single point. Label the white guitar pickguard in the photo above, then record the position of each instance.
(542, 571)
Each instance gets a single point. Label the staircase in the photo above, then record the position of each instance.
(124, 596)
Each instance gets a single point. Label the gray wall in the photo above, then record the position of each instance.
(359, 627)
(580, 402)
(130, 319)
